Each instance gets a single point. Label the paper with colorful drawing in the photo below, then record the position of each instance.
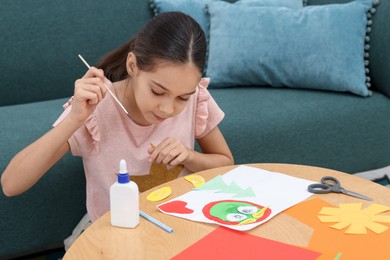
(241, 199)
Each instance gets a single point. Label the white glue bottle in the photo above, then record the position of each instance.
(124, 200)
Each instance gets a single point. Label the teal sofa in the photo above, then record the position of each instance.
(39, 44)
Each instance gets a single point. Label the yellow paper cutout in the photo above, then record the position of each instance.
(340, 225)
(384, 219)
(159, 194)
(247, 221)
(357, 220)
(259, 213)
(376, 226)
(195, 179)
(356, 228)
(375, 209)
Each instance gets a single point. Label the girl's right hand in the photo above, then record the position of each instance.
(88, 92)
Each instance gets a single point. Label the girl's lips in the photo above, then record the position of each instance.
(158, 118)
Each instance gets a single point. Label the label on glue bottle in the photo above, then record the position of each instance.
(124, 200)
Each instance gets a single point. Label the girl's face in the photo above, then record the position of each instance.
(163, 92)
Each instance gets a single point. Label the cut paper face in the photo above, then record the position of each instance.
(232, 212)
(241, 199)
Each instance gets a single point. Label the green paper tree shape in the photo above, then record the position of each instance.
(219, 186)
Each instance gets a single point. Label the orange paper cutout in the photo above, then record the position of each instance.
(330, 242)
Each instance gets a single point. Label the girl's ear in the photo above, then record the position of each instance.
(131, 64)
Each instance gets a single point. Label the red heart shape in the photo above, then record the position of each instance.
(176, 206)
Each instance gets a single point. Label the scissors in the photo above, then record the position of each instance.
(330, 184)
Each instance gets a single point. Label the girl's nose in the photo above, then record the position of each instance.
(167, 107)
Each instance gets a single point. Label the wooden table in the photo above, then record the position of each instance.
(147, 241)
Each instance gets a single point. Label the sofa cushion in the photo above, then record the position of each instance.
(379, 66)
(320, 47)
(198, 9)
(60, 192)
(342, 131)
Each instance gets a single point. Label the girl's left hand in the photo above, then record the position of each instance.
(170, 152)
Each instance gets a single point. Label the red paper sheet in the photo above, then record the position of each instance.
(224, 243)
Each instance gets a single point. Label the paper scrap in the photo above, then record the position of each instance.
(159, 194)
(195, 179)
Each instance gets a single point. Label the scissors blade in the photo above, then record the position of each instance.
(354, 194)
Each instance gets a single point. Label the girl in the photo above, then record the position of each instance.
(157, 78)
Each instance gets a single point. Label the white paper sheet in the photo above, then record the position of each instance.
(244, 184)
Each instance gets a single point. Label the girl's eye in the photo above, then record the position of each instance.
(184, 98)
(157, 93)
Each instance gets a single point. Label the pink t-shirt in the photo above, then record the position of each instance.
(109, 135)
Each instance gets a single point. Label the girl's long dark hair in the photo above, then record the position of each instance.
(169, 36)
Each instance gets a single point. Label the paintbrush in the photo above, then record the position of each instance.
(108, 89)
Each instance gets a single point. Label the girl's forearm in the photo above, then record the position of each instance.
(201, 161)
(30, 164)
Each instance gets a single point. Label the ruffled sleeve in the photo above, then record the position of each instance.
(85, 141)
(208, 114)
(67, 107)
(93, 129)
